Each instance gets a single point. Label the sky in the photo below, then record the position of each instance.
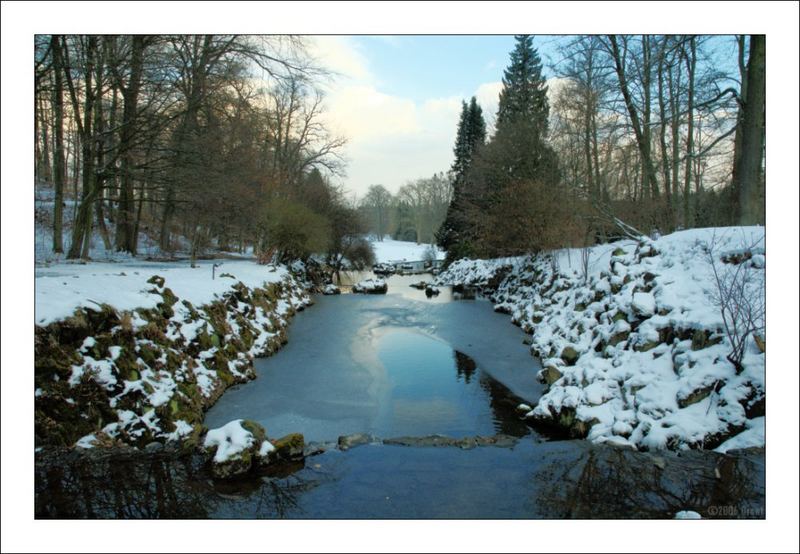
(397, 98)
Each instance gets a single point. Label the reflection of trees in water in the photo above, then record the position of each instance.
(502, 401)
(138, 487)
(503, 404)
(607, 482)
(148, 487)
(465, 366)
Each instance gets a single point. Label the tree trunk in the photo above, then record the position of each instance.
(665, 161)
(58, 150)
(691, 62)
(641, 142)
(749, 170)
(125, 238)
(737, 142)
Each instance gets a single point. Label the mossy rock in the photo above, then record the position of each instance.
(649, 345)
(695, 396)
(156, 280)
(256, 429)
(618, 252)
(699, 339)
(570, 355)
(550, 375)
(289, 447)
(580, 307)
(239, 464)
(618, 338)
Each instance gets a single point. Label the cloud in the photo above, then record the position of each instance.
(341, 55)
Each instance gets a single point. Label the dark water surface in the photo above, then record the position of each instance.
(402, 365)
(388, 365)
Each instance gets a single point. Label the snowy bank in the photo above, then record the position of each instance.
(634, 349)
(389, 250)
(137, 354)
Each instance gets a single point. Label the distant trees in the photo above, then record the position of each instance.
(414, 213)
(377, 204)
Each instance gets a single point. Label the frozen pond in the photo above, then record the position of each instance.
(390, 365)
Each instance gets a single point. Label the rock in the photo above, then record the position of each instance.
(419, 286)
(643, 303)
(695, 396)
(569, 355)
(156, 280)
(235, 446)
(289, 447)
(330, 289)
(522, 409)
(659, 462)
(346, 442)
(430, 290)
(550, 375)
(699, 339)
(154, 447)
(371, 286)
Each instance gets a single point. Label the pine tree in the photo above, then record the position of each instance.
(470, 136)
(524, 94)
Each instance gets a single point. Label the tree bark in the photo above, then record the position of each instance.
(58, 150)
(749, 167)
(125, 236)
(691, 61)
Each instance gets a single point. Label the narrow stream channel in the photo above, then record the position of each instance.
(399, 364)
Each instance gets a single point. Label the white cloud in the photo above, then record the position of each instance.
(341, 55)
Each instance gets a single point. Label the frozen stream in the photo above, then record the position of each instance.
(393, 366)
(390, 365)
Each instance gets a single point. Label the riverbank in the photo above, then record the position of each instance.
(633, 344)
(135, 353)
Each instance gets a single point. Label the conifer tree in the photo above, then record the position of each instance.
(470, 136)
(524, 95)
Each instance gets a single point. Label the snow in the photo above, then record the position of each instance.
(754, 435)
(266, 448)
(687, 514)
(389, 250)
(229, 440)
(651, 386)
(62, 287)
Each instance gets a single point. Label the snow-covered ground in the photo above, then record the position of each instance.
(635, 352)
(62, 287)
(389, 250)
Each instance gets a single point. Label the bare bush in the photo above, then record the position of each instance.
(740, 295)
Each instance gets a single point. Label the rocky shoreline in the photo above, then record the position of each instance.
(143, 377)
(635, 354)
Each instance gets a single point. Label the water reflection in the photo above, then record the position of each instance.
(561, 479)
(465, 366)
(612, 482)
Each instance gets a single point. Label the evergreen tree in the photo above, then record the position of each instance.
(470, 136)
(524, 94)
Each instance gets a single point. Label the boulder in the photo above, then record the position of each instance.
(371, 286)
(289, 447)
(234, 447)
(330, 289)
(349, 441)
(570, 355)
(550, 375)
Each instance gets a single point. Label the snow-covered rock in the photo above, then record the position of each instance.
(635, 352)
(371, 286)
